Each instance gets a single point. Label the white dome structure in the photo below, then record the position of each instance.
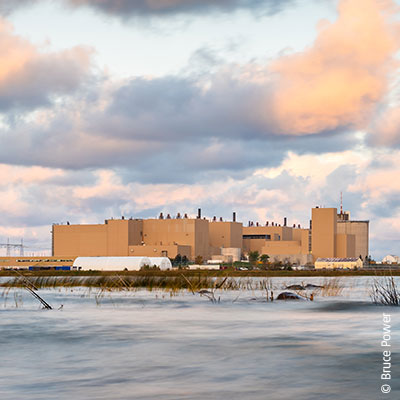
(163, 263)
(391, 259)
(110, 263)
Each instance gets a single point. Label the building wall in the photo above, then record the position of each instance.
(284, 232)
(282, 247)
(282, 240)
(26, 262)
(117, 237)
(202, 240)
(109, 239)
(170, 251)
(231, 254)
(253, 245)
(345, 246)
(360, 229)
(135, 232)
(324, 228)
(189, 232)
(338, 264)
(80, 240)
(225, 234)
(302, 236)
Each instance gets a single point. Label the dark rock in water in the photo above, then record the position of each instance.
(204, 291)
(311, 286)
(289, 296)
(295, 287)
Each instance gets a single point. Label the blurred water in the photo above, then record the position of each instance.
(148, 345)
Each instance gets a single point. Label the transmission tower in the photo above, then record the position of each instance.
(9, 246)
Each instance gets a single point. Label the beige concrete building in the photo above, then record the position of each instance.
(338, 263)
(330, 235)
(360, 231)
(112, 238)
(280, 243)
(170, 237)
(35, 262)
(323, 232)
(225, 234)
(129, 237)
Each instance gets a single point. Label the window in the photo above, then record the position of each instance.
(263, 237)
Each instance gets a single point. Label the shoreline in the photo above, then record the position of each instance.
(207, 273)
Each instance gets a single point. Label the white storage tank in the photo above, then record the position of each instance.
(163, 263)
(110, 263)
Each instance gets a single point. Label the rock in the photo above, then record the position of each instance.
(295, 287)
(204, 291)
(289, 296)
(311, 286)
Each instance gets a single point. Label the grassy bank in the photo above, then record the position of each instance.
(166, 280)
(203, 273)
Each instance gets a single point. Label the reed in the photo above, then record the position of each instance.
(118, 283)
(384, 291)
(331, 287)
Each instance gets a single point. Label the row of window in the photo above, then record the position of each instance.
(263, 237)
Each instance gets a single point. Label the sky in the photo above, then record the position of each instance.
(135, 107)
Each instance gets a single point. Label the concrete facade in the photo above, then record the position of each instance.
(338, 263)
(329, 236)
(26, 262)
(345, 245)
(360, 230)
(120, 238)
(109, 239)
(323, 232)
(225, 234)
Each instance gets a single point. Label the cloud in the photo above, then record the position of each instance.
(29, 78)
(235, 119)
(339, 81)
(385, 129)
(7, 6)
(381, 182)
(126, 9)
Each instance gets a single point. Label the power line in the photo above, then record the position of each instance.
(10, 246)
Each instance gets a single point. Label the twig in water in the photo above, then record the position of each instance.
(189, 283)
(30, 287)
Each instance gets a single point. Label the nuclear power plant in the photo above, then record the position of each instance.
(330, 235)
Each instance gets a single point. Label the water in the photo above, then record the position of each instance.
(148, 345)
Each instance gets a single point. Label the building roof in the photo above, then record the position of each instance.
(335, 259)
(340, 221)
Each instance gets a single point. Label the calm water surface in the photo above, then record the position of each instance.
(148, 345)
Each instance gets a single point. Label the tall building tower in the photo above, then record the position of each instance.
(323, 233)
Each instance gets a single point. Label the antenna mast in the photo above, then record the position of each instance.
(341, 203)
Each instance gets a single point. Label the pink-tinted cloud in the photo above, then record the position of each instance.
(379, 181)
(340, 80)
(385, 131)
(29, 76)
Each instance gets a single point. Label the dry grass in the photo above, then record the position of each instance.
(384, 291)
(120, 282)
(331, 287)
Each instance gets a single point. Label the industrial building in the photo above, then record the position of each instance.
(329, 235)
(338, 263)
